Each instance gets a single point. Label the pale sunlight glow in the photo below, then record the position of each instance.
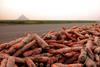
(50, 9)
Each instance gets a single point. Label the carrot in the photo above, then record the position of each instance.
(26, 40)
(41, 65)
(82, 56)
(67, 49)
(97, 50)
(82, 41)
(3, 63)
(65, 42)
(75, 65)
(11, 50)
(18, 45)
(50, 36)
(63, 37)
(90, 63)
(43, 54)
(39, 58)
(10, 62)
(30, 63)
(66, 65)
(97, 58)
(92, 32)
(87, 35)
(3, 51)
(35, 46)
(83, 32)
(75, 44)
(90, 53)
(97, 40)
(15, 65)
(40, 41)
(62, 50)
(48, 65)
(51, 60)
(51, 41)
(70, 54)
(32, 52)
(72, 59)
(14, 42)
(78, 34)
(42, 59)
(2, 46)
(55, 41)
(47, 54)
(56, 45)
(89, 44)
(89, 47)
(17, 59)
(68, 35)
(24, 48)
(62, 60)
(3, 55)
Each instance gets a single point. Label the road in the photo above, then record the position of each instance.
(10, 32)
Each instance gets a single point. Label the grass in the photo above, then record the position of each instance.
(42, 21)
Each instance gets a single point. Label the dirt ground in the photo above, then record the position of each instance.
(10, 32)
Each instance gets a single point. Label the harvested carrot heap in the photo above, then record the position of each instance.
(78, 46)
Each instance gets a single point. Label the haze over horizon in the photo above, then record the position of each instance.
(50, 9)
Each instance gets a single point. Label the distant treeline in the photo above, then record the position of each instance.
(42, 21)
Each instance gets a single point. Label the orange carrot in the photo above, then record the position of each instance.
(10, 62)
(30, 63)
(90, 63)
(17, 59)
(14, 42)
(39, 58)
(24, 48)
(32, 52)
(97, 58)
(51, 60)
(3, 63)
(2, 46)
(82, 57)
(40, 41)
(89, 47)
(56, 45)
(41, 65)
(15, 65)
(19, 45)
(72, 59)
(78, 34)
(97, 40)
(68, 35)
(67, 49)
(66, 65)
(97, 50)
(70, 54)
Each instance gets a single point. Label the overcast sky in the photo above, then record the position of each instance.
(50, 9)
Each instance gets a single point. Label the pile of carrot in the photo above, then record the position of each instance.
(77, 46)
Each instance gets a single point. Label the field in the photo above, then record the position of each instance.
(43, 21)
(12, 31)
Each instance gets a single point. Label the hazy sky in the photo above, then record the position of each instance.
(50, 9)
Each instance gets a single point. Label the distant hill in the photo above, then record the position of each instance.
(22, 17)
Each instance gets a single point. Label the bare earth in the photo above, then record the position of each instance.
(10, 32)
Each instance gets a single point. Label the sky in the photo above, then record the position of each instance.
(50, 9)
